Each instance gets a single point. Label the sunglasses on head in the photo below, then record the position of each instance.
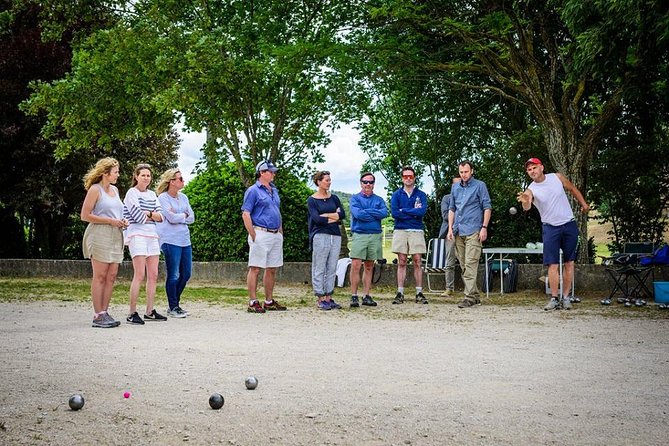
(367, 181)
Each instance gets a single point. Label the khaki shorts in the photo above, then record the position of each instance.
(408, 242)
(103, 243)
(366, 246)
(267, 250)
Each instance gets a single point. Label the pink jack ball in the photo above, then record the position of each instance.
(126, 395)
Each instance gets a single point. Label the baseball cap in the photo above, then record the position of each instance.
(265, 165)
(533, 161)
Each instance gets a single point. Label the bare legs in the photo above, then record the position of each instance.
(402, 269)
(356, 265)
(554, 279)
(144, 266)
(102, 285)
(268, 280)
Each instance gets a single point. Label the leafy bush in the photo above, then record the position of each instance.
(218, 233)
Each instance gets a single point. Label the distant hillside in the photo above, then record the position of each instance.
(345, 199)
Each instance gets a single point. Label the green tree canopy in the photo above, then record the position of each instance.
(40, 195)
(254, 75)
(566, 62)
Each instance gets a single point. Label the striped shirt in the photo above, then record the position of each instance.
(134, 206)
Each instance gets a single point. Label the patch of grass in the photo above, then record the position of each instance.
(300, 296)
(601, 250)
(45, 289)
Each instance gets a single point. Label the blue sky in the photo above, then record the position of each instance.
(343, 158)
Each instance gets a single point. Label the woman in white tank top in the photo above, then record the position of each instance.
(103, 238)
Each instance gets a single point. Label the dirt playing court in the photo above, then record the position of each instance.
(393, 375)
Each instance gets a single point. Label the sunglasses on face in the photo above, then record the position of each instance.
(367, 181)
(407, 177)
(178, 179)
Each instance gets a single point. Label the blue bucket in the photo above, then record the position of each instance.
(661, 292)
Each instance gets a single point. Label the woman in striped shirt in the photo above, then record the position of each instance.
(142, 210)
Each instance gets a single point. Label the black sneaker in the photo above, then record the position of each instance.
(368, 301)
(354, 302)
(399, 298)
(154, 316)
(134, 319)
(420, 299)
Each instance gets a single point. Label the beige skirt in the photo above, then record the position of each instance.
(103, 243)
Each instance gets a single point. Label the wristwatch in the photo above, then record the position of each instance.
(484, 227)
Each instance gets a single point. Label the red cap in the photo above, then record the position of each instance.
(533, 161)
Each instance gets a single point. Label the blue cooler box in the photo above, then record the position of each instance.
(661, 292)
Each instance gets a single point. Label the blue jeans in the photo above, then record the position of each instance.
(178, 262)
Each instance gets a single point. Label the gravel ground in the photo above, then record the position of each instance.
(405, 375)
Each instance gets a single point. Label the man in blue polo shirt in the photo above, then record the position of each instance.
(262, 219)
(468, 217)
(408, 206)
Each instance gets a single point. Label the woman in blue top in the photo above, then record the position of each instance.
(325, 213)
(175, 238)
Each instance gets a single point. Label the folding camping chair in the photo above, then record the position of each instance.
(629, 276)
(435, 261)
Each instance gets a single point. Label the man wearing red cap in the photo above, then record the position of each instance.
(559, 231)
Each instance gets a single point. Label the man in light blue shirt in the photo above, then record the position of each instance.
(468, 217)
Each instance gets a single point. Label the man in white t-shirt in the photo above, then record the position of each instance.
(559, 231)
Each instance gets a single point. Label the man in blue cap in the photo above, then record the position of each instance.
(262, 219)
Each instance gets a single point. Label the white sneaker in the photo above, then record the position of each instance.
(566, 303)
(553, 304)
(177, 312)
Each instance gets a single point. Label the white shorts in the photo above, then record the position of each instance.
(143, 246)
(267, 250)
